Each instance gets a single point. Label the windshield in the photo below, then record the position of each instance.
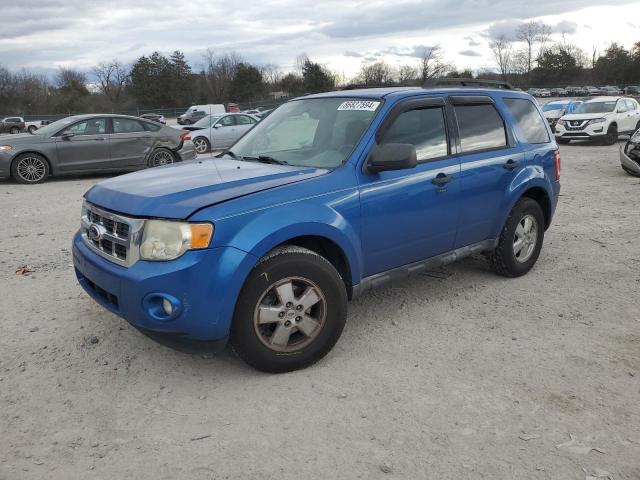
(549, 107)
(206, 121)
(596, 107)
(55, 127)
(319, 132)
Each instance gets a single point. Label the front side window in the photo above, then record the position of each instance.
(316, 132)
(530, 124)
(481, 128)
(93, 126)
(127, 125)
(631, 105)
(423, 128)
(226, 121)
(244, 120)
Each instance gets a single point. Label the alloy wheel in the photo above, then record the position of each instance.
(201, 145)
(290, 314)
(31, 169)
(525, 238)
(160, 158)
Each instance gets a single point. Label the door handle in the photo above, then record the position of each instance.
(441, 179)
(510, 164)
(100, 138)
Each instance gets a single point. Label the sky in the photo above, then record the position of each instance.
(43, 35)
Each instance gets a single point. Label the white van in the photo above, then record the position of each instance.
(196, 112)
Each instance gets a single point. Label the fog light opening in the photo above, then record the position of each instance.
(167, 307)
(162, 306)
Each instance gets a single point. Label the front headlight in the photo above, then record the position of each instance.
(167, 240)
(562, 122)
(5, 148)
(636, 137)
(596, 120)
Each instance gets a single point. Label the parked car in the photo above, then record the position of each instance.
(330, 195)
(543, 93)
(591, 91)
(633, 90)
(610, 90)
(630, 155)
(603, 118)
(196, 112)
(558, 92)
(553, 111)
(219, 132)
(154, 117)
(12, 125)
(91, 143)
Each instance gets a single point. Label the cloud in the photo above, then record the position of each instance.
(470, 53)
(565, 27)
(472, 42)
(350, 53)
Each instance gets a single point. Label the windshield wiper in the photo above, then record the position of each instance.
(266, 159)
(230, 153)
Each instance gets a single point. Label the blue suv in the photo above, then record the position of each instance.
(331, 195)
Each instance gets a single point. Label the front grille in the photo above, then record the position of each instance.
(118, 235)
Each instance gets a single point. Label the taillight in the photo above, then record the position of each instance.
(185, 136)
(556, 159)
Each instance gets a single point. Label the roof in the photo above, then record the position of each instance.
(603, 99)
(402, 92)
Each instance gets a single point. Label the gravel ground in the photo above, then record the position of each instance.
(458, 374)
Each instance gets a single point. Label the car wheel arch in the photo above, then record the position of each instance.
(35, 152)
(538, 188)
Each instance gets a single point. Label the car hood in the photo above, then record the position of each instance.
(23, 138)
(584, 116)
(177, 191)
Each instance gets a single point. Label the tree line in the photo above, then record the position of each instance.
(158, 81)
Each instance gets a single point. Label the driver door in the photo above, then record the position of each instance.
(83, 145)
(409, 215)
(223, 132)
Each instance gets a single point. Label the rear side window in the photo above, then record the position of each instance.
(424, 128)
(127, 125)
(530, 123)
(151, 127)
(481, 128)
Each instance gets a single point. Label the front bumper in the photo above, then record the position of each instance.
(205, 282)
(5, 165)
(627, 161)
(596, 130)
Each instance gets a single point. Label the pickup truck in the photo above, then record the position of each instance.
(329, 196)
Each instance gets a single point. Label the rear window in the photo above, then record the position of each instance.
(481, 128)
(530, 124)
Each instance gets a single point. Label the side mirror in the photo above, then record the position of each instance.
(67, 136)
(217, 125)
(392, 156)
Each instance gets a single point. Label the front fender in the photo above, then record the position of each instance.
(531, 176)
(259, 232)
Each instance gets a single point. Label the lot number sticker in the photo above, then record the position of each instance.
(364, 105)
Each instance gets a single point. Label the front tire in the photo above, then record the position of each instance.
(520, 241)
(563, 141)
(30, 168)
(14, 130)
(201, 145)
(32, 129)
(290, 312)
(612, 135)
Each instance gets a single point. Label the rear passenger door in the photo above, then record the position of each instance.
(409, 215)
(489, 159)
(130, 143)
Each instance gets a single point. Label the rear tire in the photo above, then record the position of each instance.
(160, 157)
(30, 168)
(520, 241)
(290, 312)
(32, 129)
(14, 130)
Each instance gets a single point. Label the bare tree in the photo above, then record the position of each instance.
(219, 73)
(532, 34)
(112, 78)
(502, 52)
(271, 74)
(379, 73)
(407, 74)
(432, 64)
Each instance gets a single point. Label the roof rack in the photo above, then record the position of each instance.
(467, 82)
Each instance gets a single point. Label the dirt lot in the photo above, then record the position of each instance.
(456, 375)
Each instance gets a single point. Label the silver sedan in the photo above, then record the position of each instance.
(91, 143)
(217, 132)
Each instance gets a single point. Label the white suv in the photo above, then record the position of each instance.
(601, 118)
